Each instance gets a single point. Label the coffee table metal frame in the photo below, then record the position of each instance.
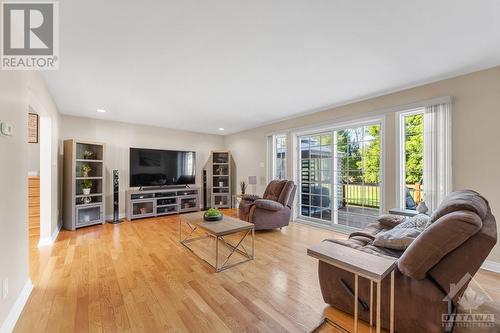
(219, 237)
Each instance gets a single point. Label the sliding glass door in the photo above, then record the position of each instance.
(316, 176)
(340, 176)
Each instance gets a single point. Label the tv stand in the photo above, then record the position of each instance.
(162, 187)
(161, 201)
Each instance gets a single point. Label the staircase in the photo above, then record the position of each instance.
(34, 206)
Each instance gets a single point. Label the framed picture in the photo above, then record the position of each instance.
(32, 128)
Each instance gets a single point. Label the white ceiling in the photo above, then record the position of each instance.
(201, 65)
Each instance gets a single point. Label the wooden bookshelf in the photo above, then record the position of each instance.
(80, 209)
(217, 180)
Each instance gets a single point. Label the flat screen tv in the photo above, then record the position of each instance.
(152, 167)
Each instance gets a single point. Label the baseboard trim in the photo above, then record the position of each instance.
(49, 240)
(16, 310)
(491, 265)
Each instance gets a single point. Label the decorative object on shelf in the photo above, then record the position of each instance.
(143, 210)
(422, 207)
(88, 154)
(87, 186)
(243, 186)
(213, 215)
(221, 184)
(86, 170)
(87, 200)
(32, 128)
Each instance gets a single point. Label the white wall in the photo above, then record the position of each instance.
(119, 137)
(34, 158)
(20, 91)
(42, 103)
(14, 188)
(475, 123)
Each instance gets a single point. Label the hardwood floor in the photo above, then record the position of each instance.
(136, 277)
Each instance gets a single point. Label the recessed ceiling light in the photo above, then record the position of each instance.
(221, 128)
(101, 110)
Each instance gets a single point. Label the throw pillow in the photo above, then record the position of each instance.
(402, 235)
(390, 220)
(419, 221)
(396, 239)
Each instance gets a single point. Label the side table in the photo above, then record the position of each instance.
(369, 266)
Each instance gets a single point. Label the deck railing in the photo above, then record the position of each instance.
(367, 195)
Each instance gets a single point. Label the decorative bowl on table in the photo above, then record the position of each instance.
(213, 215)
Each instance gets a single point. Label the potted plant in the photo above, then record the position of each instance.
(243, 187)
(212, 215)
(87, 186)
(88, 154)
(86, 170)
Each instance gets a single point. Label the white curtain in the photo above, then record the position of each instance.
(437, 154)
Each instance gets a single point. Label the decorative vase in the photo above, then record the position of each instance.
(85, 173)
(221, 184)
(87, 200)
(86, 191)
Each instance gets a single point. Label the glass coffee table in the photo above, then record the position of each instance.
(219, 232)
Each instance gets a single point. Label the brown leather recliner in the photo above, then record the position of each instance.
(462, 234)
(271, 211)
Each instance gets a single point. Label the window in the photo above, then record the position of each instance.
(279, 157)
(340, 175)
(412, 164)
(425, 172)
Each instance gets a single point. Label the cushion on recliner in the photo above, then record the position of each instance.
(268, 205)
(462, 200)
(285, 192)
(274, 189)
(439, 239)
(391, 220)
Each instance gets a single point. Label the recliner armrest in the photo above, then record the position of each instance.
(268, 205)
(250, 197)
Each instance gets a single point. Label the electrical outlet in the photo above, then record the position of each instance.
(5, 288)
